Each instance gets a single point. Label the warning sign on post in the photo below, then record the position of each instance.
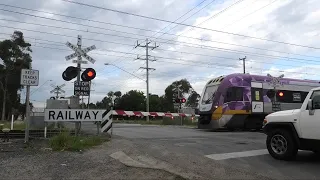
(81, 88)
(29, 77)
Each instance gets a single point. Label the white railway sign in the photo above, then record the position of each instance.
(29, 77)
(73, 115)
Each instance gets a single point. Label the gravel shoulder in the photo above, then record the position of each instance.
(37, 162)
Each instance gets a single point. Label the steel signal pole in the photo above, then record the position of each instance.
(79, 43)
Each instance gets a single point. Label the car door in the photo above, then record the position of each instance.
(310, 122)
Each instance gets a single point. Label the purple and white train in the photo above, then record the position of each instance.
(241, 101)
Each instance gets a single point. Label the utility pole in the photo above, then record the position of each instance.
(244, 63)
(27, 121)
(147, 68)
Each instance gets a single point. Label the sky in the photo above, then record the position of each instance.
(230, 29)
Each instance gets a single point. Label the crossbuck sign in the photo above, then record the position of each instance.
(275, 81)
(80, 52)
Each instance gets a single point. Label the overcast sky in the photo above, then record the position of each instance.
(183, 52)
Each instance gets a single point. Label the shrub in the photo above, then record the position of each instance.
(65, 142)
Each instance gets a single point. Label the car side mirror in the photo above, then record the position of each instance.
(310, 104)
(310, 107)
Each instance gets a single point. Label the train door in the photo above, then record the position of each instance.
(256, 97)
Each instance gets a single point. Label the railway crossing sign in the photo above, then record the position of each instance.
(57, 90)
(275, 81)
(80, 52)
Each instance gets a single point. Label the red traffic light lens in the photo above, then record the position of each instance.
(281, 94)
(183, 100)
(90, 73)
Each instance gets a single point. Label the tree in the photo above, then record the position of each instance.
(171, 91)
(15, 54)
(132, 101)
(155, 103)
(105, 102)
(117, 94)
(193, 99)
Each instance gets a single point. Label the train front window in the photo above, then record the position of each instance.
(209, 94)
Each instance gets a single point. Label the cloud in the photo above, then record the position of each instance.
(206, 55)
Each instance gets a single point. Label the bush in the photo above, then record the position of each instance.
(65, 142)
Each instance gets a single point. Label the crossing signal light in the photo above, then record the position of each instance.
(88, 74)
(70, 73)
(182, 100)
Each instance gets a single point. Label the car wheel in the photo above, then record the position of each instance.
(281, 145)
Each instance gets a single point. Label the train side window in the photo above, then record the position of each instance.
(234, 94)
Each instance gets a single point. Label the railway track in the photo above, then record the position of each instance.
(17, 134)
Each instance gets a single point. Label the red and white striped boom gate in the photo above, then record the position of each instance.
(106, 123)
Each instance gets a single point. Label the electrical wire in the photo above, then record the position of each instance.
(214, 16)
(184, 44)
(183, 60)
(128, 37)
(210, 48)
(187, 25)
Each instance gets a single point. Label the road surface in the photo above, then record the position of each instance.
(215, 154)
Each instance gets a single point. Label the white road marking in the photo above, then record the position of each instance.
(237, 154)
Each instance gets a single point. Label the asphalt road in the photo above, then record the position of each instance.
(216, 154)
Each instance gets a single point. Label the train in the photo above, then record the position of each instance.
(241, 101)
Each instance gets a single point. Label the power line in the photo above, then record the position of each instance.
(186, 44)
(214, 16)
(178, 59)
(234, 22)
(167, 40)
(226, 58)
(189, 16)
(72, 29)
(187, 25)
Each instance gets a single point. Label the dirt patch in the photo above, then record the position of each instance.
(37, 161)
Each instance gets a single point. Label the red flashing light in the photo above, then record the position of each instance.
(281, 94)
(183, 100)
(90, 73)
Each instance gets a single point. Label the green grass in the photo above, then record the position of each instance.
(17, 125)
(65, 142)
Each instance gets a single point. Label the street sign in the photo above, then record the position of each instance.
(29, 77)
(276, 106)
(73, 115)
(82, 88)
(82, 62)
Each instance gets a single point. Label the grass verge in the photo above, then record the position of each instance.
(66, 142)
(17, 125)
